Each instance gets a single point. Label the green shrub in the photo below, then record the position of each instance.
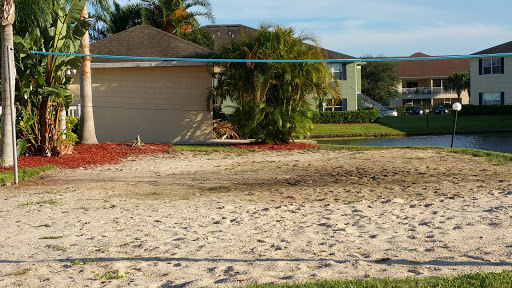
(218, 113)
(400, 110)
(272, 123)
(362, 116)
(72, 129)
(486, 110)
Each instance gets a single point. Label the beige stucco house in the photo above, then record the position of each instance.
(423, 82)
(491, 81)
(162, 101)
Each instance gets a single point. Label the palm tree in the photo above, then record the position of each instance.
(458, 81)
(87, 131)
(30, 14)
(175, 16)
(117, 20)
(8, 15)
(273, 98)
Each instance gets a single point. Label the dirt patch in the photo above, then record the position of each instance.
(299, 176)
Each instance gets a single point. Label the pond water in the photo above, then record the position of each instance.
(499, 142)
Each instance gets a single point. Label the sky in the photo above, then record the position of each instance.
(380, 27)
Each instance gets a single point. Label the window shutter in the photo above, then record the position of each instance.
(502, 65)
(480, 66)
(480, 98)
(344, 71)
(502, 98)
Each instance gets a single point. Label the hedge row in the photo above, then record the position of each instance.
(362, 116)
(486, 110)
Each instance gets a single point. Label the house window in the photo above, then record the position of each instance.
(437, 83)
(336, 70)
(331, 105)
(412, 84)
(491, 66)
(491, 98)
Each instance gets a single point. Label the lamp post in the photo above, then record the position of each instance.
(456, 107)
(427, 112)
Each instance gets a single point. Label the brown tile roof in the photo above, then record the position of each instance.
(145, 41)
(224, 33)
(430, 68)
(336, 55)
(502, 48)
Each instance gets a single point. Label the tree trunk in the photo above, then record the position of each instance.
(6, 151)
(87, 131)
(62, 122)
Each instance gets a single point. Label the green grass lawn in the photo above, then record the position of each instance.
(24, 173)
(414, 125)
(491, 280)
(353, 130)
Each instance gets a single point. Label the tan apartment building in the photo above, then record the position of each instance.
(491, 81)
(423, 82)
(162, 101)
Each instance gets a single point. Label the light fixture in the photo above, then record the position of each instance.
(456, 107)
(70, 71)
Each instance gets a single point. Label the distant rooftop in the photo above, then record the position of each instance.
(430, 68)
(502, 48)
(224, 33)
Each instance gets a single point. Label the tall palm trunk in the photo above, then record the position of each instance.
(43, 127)
(88, 133)
(8, 15)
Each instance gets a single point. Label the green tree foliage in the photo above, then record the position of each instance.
(272, 99)
(118, 19)
(42, 83)
(31, 13)
(380, 81)
(177, 17)
(458, 81)
(201, 37)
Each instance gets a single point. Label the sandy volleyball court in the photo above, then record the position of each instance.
(193, 220)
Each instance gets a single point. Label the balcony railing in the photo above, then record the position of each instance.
(427, 91)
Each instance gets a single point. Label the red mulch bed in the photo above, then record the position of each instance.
(272, 147)
(90, 155)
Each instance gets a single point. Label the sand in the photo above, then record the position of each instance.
(226, 219)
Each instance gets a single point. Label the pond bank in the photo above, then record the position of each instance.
(416, 125)
(498, 142)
